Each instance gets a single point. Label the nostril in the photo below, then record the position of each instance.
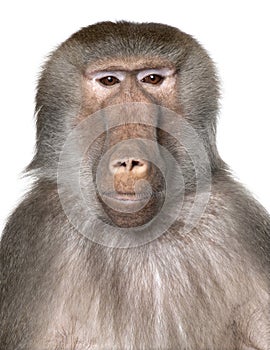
(136, 163)
(119, 164)
(136, 166)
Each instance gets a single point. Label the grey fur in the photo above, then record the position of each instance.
(208, 290)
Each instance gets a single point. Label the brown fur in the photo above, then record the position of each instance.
(206, 289)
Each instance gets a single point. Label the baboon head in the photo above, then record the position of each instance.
(137, 98)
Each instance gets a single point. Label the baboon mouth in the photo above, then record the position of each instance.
(131, 209)
(131, 197)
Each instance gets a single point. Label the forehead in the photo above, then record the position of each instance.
(129, 63)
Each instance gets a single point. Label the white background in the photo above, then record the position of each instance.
(236, 34)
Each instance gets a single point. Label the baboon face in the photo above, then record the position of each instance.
(130, 184)
(126, 77)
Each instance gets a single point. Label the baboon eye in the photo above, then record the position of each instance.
(152, 79)
(109, 80)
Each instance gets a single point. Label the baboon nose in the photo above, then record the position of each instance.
(132, 166)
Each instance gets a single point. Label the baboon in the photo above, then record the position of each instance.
(134, 235)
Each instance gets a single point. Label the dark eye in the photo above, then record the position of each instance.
(109, 80)
(152, 79)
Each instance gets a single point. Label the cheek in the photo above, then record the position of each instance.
(93, 98)
(165, 94)
(169, 89)
(94, 89)
(170, 97)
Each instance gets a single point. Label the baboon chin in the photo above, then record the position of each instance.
(131, 209)
(134, 235)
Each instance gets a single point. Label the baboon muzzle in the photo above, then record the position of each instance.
(130, 175)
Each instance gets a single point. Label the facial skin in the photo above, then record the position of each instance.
(134, 234)
(124, 169)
